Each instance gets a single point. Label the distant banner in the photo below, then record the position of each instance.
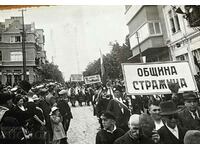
(76, 78)
(92, 79)
(153, 78)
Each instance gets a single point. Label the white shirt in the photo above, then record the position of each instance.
(158, 124)
(174, 131)
(22, 108)
(112, 130)
(193, 114)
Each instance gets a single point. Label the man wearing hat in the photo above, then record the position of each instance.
(64, 109)
(50, 98)
(110, 132)
(102, 104)
(118, 107)
(171, 132)
(190, 115)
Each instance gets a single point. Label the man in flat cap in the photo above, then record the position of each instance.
(190, 115)
(110, 132)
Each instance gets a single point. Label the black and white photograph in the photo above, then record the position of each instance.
(99, 74)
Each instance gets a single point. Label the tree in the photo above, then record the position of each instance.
(112, 61)
(50, 71)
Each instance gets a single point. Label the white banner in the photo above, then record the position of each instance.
(92, 79)
(153, 78)
(76, 77)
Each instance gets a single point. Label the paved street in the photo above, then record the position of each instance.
(83, 127)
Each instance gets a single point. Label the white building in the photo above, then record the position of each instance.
(183, 41)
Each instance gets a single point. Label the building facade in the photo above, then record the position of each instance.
(147, 33)
(183, 40)
(11, 59)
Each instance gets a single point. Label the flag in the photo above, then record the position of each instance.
(102, 66)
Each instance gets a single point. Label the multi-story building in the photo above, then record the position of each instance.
(147, 33)
(183, 40)
(11, 59)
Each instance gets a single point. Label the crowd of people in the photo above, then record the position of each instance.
(161, 119)
(34, 115)
(42, 113)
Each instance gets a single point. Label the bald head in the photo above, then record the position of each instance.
(134, 120)
(192, 137)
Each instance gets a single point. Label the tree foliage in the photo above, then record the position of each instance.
(51, 71)
(111, 61)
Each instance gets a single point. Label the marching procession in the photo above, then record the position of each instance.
(42, 113)
(145, 90)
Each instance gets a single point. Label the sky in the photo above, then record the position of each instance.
(74, 34)
(75, 30)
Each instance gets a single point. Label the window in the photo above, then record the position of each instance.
(157, 27)
(15, 56)
(174, 21)
(147, 30)
(151, 29)
(154, 28)
(15, 39)
(182, 57)
(0, 38)
(0, 56)
(196, 53)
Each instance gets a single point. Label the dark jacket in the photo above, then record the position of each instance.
(12, 131)
(101, 106)
(187, 121)
(126, 139)
(104, 137)
(166, 137)
(20, 115)
(64, 109)
(121, 118)
(46, 108)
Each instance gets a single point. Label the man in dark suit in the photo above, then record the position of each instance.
(171, 132)
(190, 115)
(64, 109)
(118, 107)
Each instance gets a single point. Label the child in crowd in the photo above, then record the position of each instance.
(59, 136)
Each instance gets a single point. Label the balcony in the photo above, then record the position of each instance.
(18, 63)
(149, 35)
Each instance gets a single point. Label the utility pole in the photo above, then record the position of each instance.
(23, 46)
(140, 52)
